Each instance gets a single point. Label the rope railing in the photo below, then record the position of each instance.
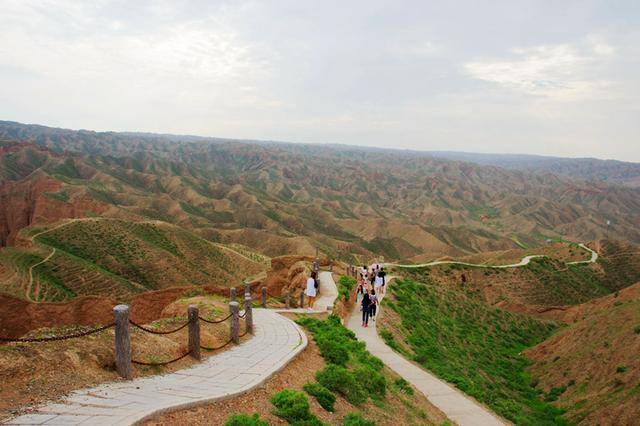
(159, 364)
(122, 325)
(215, 321)
(54, 338)
(216, 348)
(148, 330)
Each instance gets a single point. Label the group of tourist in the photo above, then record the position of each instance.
(371, 286)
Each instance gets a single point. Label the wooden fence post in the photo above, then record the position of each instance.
(248, 316)
(123, 341)
(194, 331)
(234, 307)
(232, 294)
(247, 288)
(288, 299)
(302, 299)
(264, 297)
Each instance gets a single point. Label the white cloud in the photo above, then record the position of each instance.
(563, 72)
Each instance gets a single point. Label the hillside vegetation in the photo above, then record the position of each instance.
(545, 283)
(592, 368)
(288, 198)
(469, 344)
(119, 258)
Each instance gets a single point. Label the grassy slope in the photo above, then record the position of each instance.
(543, 282)
(473, 346)
(593, 367)
(96, 257)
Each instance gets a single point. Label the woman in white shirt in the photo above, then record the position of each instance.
(312, 289)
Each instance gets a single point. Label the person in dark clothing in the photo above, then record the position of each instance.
(366, 304)
(373, 304)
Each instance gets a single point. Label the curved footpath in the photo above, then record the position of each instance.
(452, 402)
(525, 261)
(277, 340)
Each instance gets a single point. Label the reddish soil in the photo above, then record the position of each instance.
(595, 360)
(24, 203)
(18, 316)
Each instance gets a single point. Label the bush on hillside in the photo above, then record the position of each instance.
(293, 406)
(356, 419)
(403, 386)
(245, 420)
(338, 379)
(373, 382)
(324, 396)
(345, 287)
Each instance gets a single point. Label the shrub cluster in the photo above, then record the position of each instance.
(356, 419)
(293, 406)
(245, 420)
(324, 396)
(351, 370)
(345, 287)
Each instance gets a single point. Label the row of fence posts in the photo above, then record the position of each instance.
(123, 335)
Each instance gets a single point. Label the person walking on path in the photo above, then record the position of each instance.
(359, 295)
(312, 289)
(373, 298)
(383, 281)
(366, 304)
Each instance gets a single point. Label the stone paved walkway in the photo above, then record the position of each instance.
(326, 298)
(277, 341)
(452, 402)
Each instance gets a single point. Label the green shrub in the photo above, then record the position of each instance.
(291, 405)
(338, 379)
(554, 393)
(332, 350)
(356, 419)
(621, 369)
(403, 386)
(637, 329)
(324, 396)
(345, 287)
(245, 420)
(373, 382)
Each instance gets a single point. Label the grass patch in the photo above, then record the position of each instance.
(475, 347)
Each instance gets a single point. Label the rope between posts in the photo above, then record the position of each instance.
(154, 364)
(53, 338)
(215, 322)
(216, 347)
(148, 330)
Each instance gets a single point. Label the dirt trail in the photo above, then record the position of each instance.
(525, 261)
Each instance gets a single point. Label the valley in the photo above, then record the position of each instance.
(511, 278)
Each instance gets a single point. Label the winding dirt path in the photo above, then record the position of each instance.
(525, 261)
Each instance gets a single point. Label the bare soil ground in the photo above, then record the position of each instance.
(396, 409)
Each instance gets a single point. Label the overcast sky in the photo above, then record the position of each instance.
(557, 77)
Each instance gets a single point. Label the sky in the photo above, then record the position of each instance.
(539, 77)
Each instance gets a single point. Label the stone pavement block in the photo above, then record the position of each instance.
(31, 419)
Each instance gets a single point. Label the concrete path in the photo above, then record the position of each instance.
(525, 261)
(277, 341)
(452, 402)
(324, 301)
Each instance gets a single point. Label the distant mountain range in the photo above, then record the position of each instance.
(279, 198)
